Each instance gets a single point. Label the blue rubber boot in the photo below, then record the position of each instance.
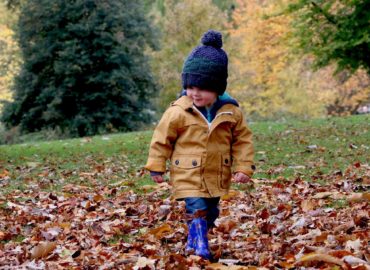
(201, 239)
(190, 245)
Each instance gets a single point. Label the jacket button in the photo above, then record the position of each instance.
(177, 162)
(195, 163)
(226, 161)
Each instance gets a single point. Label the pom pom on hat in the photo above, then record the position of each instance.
(212, 38)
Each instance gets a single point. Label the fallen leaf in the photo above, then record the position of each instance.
(311, 235)
(43, 249)
(34, 265)
(264, 214)
(354, 261)
(2, 235)
(4, 173)
(339, 253)
(286, 265)
(361, 219)
(144, 263)
(160, 231)
(164, 210)
(300, 223)
(226, 225)
(98, 198)
(322, 195)
(322, 258)
(106, 227)
(86, 204)
(353, 245)
(307, 205)
(357, 197)
(51, 233)
(228, 261)
(344, 227)
(219, 266)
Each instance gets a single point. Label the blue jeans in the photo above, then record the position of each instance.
(209, 205)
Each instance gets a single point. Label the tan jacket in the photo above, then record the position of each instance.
(202, 155)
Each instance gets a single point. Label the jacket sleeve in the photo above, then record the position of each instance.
(242, 150)
(161, 146)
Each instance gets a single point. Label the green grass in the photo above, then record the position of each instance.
(338, 204)
(123, 237)
(309, 149)
(52, 164)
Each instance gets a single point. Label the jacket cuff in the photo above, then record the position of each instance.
(246, 169)
(155, 165)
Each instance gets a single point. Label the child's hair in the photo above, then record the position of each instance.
(206, 65)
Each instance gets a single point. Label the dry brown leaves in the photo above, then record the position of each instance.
(279, 225)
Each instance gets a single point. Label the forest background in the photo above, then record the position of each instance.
(287, 59)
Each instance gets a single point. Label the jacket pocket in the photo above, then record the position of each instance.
(225, 180)
(186, 172)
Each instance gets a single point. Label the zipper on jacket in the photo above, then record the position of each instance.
(205, 119)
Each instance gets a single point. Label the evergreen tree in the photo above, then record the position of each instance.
(84, 69)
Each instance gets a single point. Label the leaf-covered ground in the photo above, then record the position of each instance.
(87, 204)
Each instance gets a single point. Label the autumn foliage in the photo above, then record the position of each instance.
(272, 80)
(283, 224)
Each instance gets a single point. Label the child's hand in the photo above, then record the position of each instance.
(158, 178)
(240, 177)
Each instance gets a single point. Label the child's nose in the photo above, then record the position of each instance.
(196, 91)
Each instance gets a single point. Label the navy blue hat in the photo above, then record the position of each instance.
(206, 65)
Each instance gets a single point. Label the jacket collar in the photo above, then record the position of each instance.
(184, 102)
(187, 104)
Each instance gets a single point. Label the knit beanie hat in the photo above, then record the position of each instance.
(206, 65)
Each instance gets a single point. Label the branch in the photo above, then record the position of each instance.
(323, 12)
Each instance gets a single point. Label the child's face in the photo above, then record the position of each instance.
(201, 97)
